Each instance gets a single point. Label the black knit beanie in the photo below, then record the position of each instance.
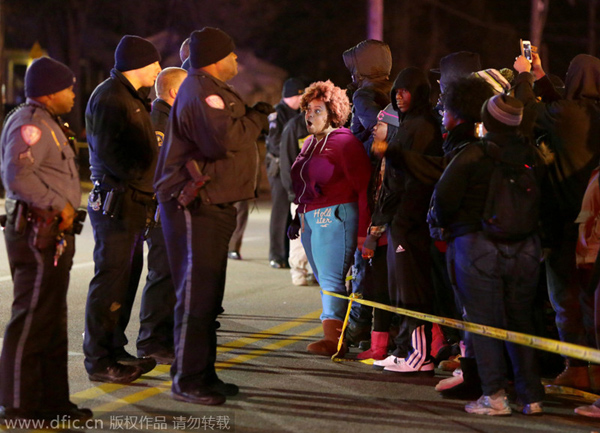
(208, 46)
(134, 52)
(46, 76)
(502, 114)
(292, 87)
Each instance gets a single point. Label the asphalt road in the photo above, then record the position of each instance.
(266, 326)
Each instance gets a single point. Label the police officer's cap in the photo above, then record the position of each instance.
(208, 46)
(46, 76)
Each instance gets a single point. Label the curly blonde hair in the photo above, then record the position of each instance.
(335, 99)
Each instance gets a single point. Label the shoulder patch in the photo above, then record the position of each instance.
(215, 101)
(159, 138)
(30, 134)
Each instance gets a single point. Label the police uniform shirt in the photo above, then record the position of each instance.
(160, 117)
(277, 121)
(38, 164)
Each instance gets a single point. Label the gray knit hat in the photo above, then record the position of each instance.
(389, 115)
(502, 113)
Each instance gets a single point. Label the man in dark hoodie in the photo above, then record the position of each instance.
(572, 128)
(370, 63)
(404, 209)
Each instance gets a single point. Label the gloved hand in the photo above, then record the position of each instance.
(293, 230)
(369, 246)
(263, 107)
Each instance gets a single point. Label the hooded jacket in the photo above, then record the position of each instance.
(370, 63)
(572, 131)
(418, 132)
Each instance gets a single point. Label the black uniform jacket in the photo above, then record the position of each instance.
(210, 123)
(120, 135)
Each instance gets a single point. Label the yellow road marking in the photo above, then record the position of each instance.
(107, 388)
(166, 385)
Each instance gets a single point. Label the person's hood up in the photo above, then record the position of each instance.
(583, 78)
(370, 59)
(415, 81)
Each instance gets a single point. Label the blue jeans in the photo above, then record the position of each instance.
(329, 239)
(496, 285)
(568, 293)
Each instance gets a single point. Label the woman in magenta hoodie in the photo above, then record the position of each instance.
(330, 178)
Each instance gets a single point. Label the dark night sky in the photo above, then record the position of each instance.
(304, 37)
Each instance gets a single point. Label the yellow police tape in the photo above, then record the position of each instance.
(546, 344)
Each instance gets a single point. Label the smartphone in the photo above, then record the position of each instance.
(526, 49)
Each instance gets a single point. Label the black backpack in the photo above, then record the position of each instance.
(512, 206)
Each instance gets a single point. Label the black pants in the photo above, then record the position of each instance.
(197, 241)
(118, 259)
(279, 245)
(33, 365)
(158, 299)
(241, 207)
(409, 278)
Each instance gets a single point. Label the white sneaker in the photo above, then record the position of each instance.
(496, 404)
(380, 365)
(401, 366)
(592, 411)
(449, 382)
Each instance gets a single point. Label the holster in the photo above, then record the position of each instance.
(45, 227)
(17, 214)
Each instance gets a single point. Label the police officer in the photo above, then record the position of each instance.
(42, 183)
(287, 108)
(123, 150)
(155, 338)
(211, 133)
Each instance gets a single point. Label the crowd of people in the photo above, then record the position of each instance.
(451, 209)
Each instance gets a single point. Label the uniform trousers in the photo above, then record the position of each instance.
(33, 364)
(197, 239)
(158, 299)
(280, 220)
(118, 259)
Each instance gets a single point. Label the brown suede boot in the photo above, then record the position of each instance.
(594, 372)
(574, 376)
(332, 329)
